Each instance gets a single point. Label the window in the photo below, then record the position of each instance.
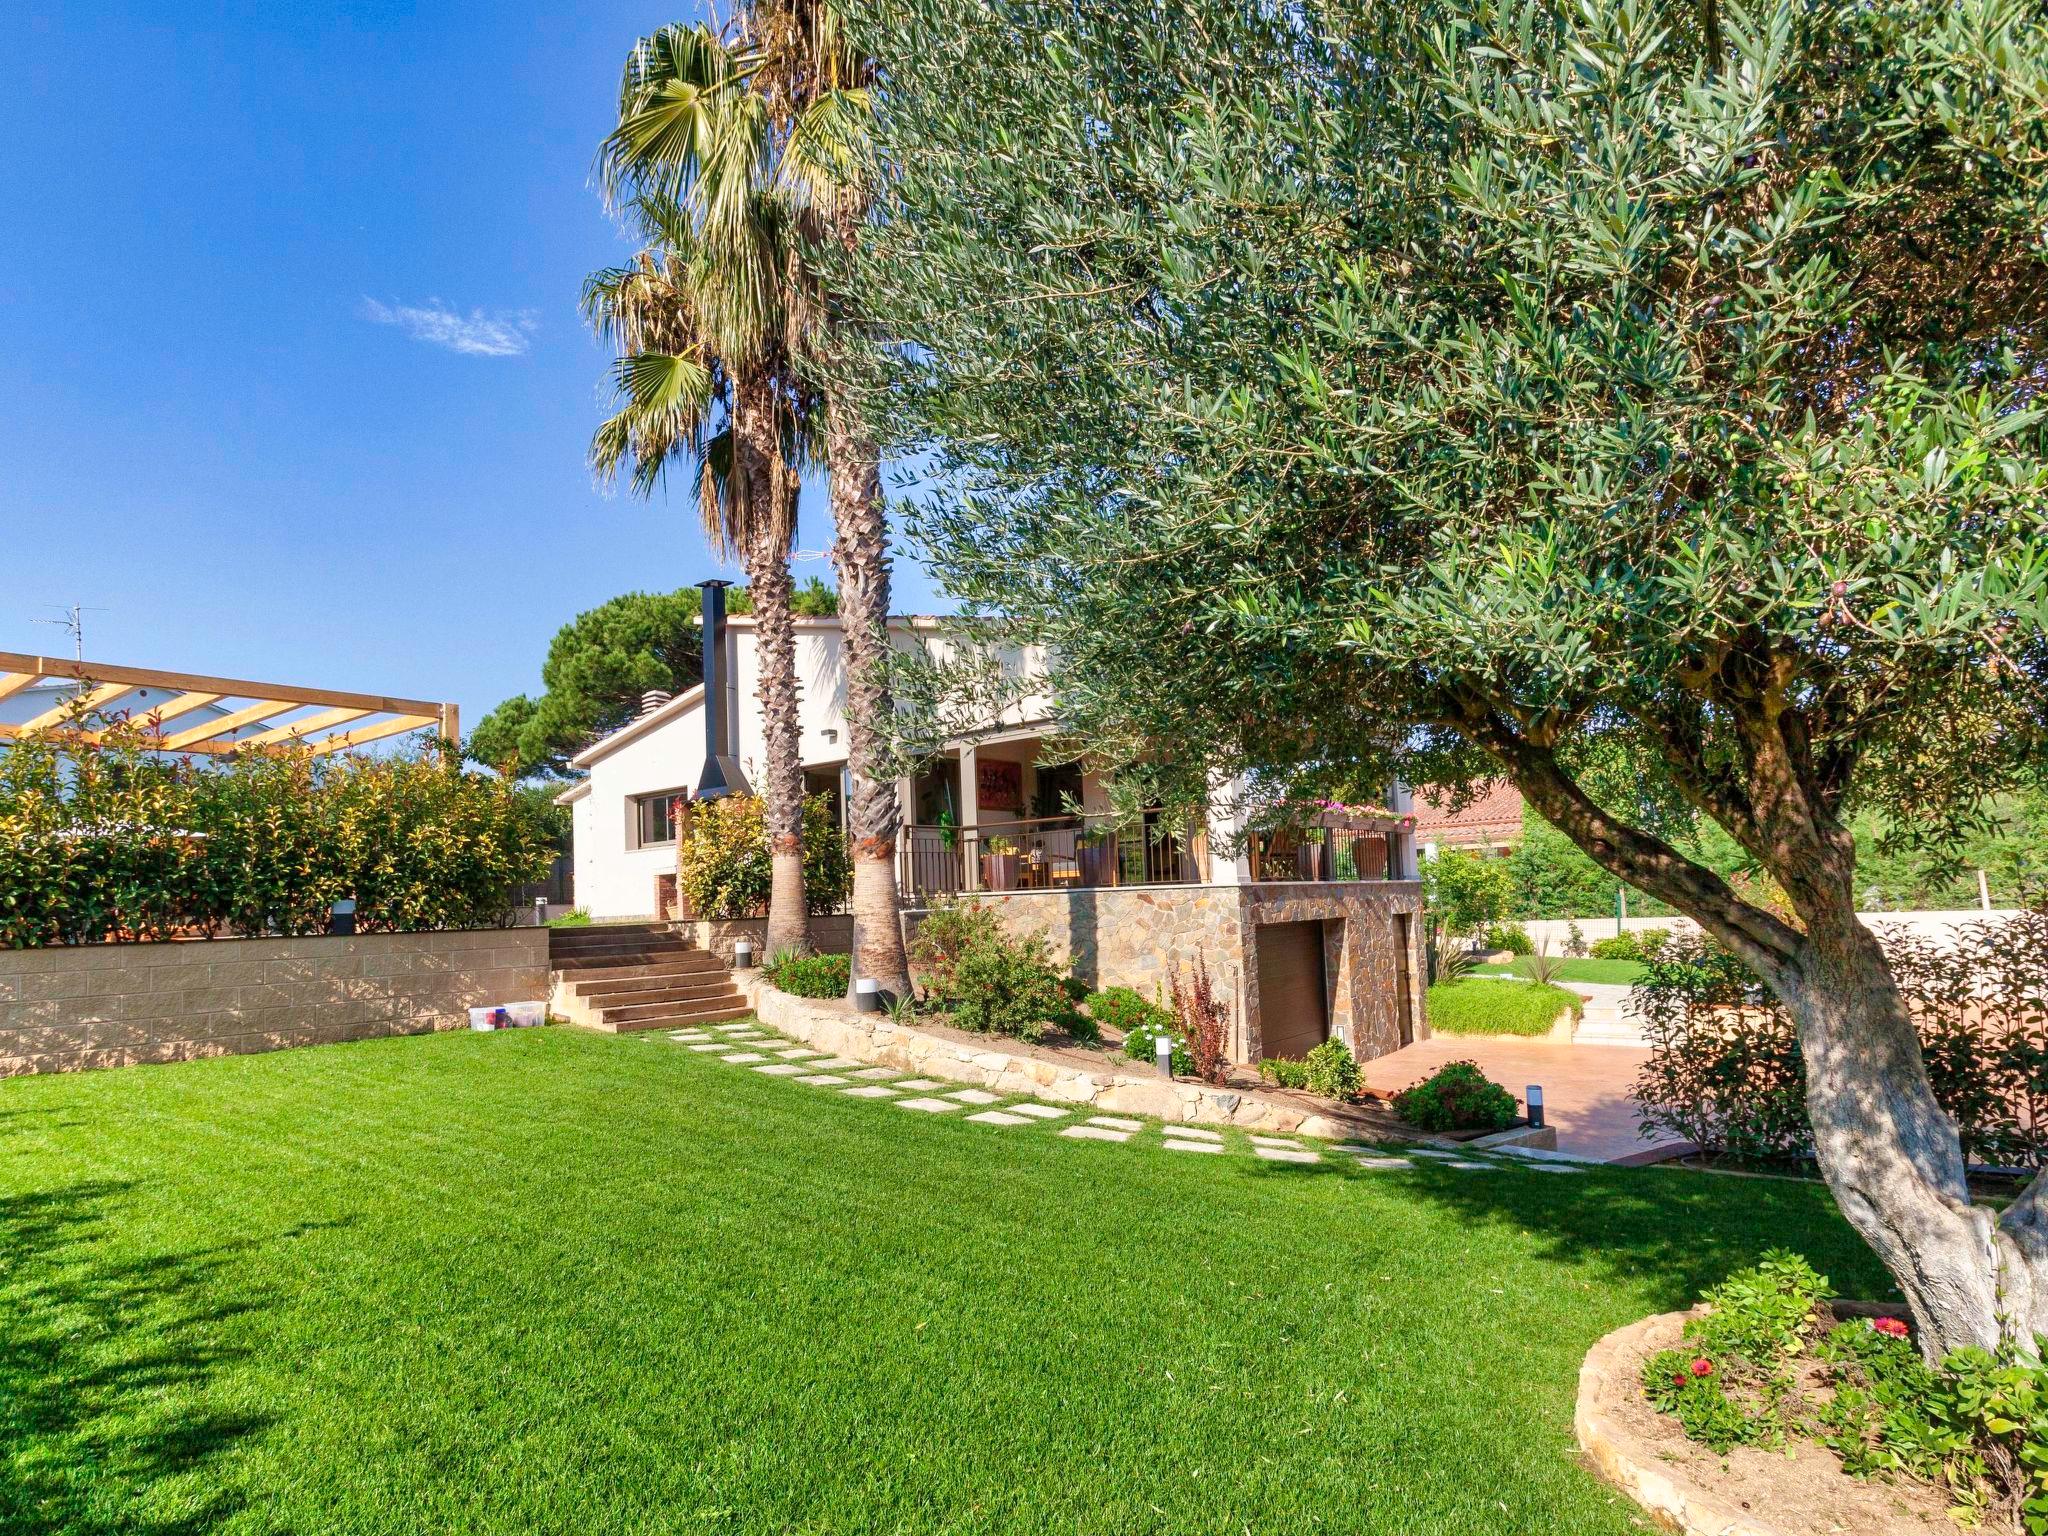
(655, 818)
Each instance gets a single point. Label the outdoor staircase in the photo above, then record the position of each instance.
(620, 977)
(1609, 1020)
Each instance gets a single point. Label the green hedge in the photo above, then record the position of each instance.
(723, 866)
(110, 842)
(1485, 1007)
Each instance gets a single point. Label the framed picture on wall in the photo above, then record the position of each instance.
(998, 786)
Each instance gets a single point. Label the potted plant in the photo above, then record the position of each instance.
(1095, 852)
(999, 864)
(1369, 857)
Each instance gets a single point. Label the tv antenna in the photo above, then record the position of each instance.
(74, 621)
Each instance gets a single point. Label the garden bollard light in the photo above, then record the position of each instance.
(1535, 1102)
(743, 954)
(540, 911)
(341, 918)
(1162, 1050)
(867, 995)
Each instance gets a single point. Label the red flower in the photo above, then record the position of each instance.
(1891, 1327)
(1679, 1380)
(1703, 1366)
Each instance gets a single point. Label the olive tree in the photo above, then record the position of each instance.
(1638, 402)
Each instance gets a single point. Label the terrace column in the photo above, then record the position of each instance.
(1229, 864)
(970, 818)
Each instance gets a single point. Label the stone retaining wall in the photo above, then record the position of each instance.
(113, 1005)
(834, 1026)
(1136, 936)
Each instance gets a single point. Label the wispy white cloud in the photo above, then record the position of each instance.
(438, 323)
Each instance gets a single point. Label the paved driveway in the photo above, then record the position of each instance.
(1585, 1087)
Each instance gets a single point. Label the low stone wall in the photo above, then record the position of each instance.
(834, 1026)
(831, 934)
(1136, 936)
(114, 1005)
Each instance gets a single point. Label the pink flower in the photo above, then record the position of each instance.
(1891, 1327)
(1703, 1366)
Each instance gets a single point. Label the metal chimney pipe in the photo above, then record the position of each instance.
(714, 782)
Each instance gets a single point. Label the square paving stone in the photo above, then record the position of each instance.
(835, 1064)
(1276, 1141)
(1175, 1145)
(780, 1069)
(687, 1034)
(921, 1084)
(1382, 1162)
(1551, 1168)
(1194, 1133)
(800, 1053)
(1471, 1165)
(1430, 1152)
(929, 1106)
(871, 1091)
(1287, 1155)
(1115, 1124)
(1039, 1111)
(1095, 1133)
(875, 1072)
(823, 1080)
(738, 1057)
(998, 1117)
(712, 1045)
(976, 1096)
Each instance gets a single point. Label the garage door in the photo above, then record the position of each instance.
(1292, 1017)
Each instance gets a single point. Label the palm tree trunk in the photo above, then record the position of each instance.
(860, 554)
(771, 525)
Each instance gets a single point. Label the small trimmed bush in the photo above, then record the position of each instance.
(810, 975)
(1645, 945)
(1512, 937)
(1459, 1098)
(1331, 1070)
(986, 980)
(1123, 1010)
(1284, 1071)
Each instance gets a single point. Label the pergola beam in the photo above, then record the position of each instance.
(12, 683)
(343, 740)
(183, 704)
(222, 725)
(73, 708)
(226, 687)
(298, 730)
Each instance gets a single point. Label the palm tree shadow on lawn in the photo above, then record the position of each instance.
(107, 1363)
(1679, 1230)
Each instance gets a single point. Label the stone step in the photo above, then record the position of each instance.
(599, 959)
(636, 996)
(737, 1009)
(632, 1015)
(591, 980)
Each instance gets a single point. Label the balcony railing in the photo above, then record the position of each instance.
(1046, 853)
(1325, 853)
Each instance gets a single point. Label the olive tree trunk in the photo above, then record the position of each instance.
(860, 553)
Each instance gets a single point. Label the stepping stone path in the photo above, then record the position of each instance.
(1458, 1164)
(871, 1091)
(1281, 1142)
(929, 1106)
(712, 1045)
(835, 1064)
(1193, 1133)
(688, 1034)
(1038, 1111)
(1286, 1154)
(875, 1072)
(1095, 1133)
(999, 1117)
(823, 1080)
(1115, 1124)
(780, 1069)
(976, 1096)
(1551, 1168)
(800, 1053)
(1382, 1162)
(740, 1057)
(920, 1084)
(1174, 1144)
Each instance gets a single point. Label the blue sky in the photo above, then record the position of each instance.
(292, 383)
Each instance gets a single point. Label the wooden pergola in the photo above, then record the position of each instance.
(338, 721)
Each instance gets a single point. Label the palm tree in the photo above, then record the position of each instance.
(697, 321)
(805, 144)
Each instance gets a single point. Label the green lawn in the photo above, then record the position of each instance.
(548, 1281)
(1482, 1007)
(1624, 973)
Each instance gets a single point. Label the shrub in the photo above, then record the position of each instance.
(1123, 1010)
(1724, 1069)
(1142, 1044)
(1331, 1070)
(1458, 1098)
(1203, 1022)
(1284, 1072)
(723, 868)
(1467, 892)
(110, 841)
(1644, 945)
(810, 975)
(1512, 937)
(987, 980)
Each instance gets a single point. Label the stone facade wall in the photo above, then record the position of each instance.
(113, 1005)
(831, 934)
(1137, 936)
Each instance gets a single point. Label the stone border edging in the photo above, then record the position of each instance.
(836, 1027)
(1619, 1457)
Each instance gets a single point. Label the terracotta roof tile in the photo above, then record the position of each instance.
(1495, 815)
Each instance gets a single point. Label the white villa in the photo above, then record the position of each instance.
(1313, 933)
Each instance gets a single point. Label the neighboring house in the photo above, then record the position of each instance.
(50, 703)
(1311, 934)
(1491, 824)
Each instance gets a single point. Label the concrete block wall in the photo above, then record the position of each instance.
(110, 1005)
